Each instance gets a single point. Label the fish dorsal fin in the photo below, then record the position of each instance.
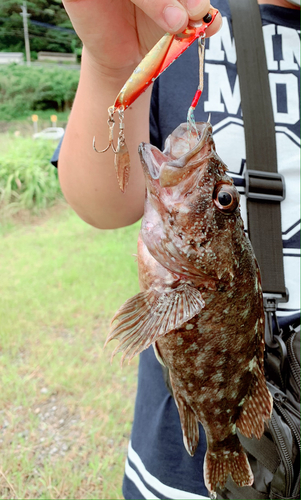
(150, 315)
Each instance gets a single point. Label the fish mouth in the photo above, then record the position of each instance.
(152, 159)
(183, 148)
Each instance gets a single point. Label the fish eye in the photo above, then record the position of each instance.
(226, 198)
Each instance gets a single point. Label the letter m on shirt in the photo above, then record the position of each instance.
(221, 97)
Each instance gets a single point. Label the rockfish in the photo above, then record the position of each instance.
(201, 303)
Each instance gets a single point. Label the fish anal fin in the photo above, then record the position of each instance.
(219, 465)
(257, 408)
(149, 315)
(189, 422)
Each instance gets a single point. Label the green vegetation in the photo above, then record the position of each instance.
(22, 125)
(65, 411)
(48, 25)
(27, 178)
(27, 89)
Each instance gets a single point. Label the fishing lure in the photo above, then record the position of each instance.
(160, 57)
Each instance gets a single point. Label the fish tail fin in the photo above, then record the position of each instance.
(256, 410)
(219, 465)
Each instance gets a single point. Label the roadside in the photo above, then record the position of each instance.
(24, 125)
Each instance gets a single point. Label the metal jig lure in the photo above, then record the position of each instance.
(160, 57)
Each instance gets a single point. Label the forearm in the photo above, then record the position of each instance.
(88, 179)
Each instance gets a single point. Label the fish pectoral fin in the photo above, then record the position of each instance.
(189, 422)
(149, 315)
(256, 409)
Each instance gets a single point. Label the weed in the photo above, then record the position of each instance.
(27, 178)
(25, 89)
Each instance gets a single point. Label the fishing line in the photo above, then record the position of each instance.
(191, 125)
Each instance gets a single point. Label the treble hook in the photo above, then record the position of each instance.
(111, 123)
(103, 150)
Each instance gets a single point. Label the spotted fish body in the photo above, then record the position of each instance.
(200, 304)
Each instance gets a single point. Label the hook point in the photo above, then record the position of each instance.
(103, 150)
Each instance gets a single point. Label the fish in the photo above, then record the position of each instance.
(200, 304)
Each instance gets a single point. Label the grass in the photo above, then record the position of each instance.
(27, 178)
(65, 411)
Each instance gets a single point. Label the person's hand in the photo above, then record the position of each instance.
(117, 34)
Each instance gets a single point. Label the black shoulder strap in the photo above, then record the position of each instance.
(264, 186)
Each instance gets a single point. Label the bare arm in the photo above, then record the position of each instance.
(116, 35)
(88, 179)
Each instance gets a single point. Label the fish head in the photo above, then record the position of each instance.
(191, 215)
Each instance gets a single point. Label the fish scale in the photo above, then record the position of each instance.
(200, 304)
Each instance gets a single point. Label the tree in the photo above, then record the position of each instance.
(48, 25)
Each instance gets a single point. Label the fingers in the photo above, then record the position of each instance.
(173, 15)
(196, 9)
(215, 26)
(170, 15)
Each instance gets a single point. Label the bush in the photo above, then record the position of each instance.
(27, 179)
(26, 89)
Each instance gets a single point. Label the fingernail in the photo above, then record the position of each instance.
(194, 7)
(175, 17)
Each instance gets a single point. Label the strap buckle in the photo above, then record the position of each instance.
(269, 186)
(270, 304)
